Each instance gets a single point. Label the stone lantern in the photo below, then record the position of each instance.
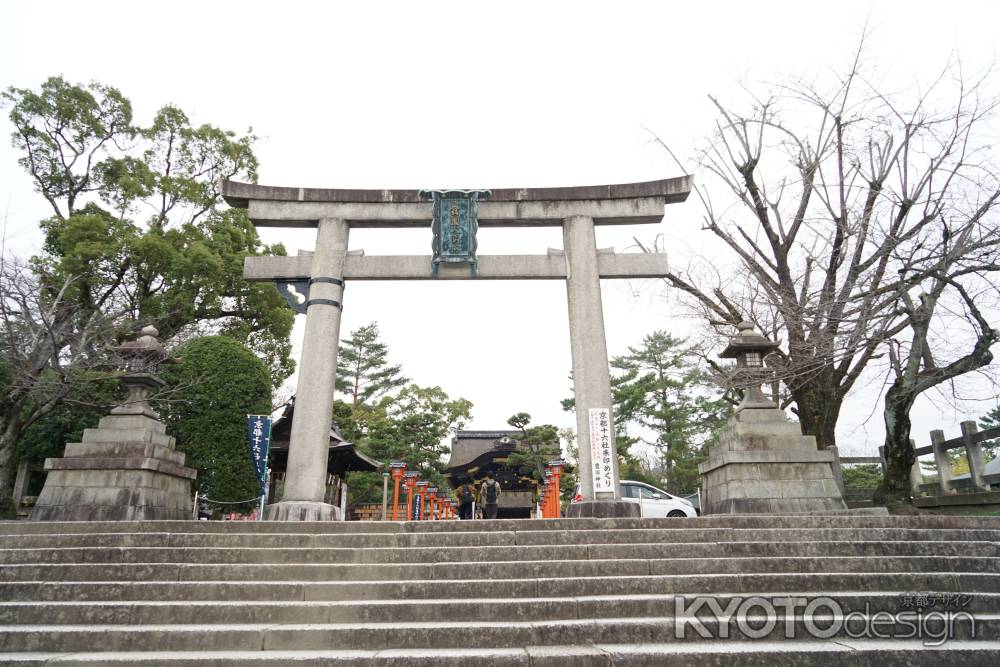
(127, 468)
(761, 463)
(141, 359)
(749, 349)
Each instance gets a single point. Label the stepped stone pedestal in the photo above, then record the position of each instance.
(125, 469)
(763, 464)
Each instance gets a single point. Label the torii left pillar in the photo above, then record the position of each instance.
(305, 480)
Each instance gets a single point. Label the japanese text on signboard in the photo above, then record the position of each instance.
(601, 450)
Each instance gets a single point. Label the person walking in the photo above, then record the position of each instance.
(489, 496)
(466, 498)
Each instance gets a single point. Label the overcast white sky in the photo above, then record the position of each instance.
(463, 94)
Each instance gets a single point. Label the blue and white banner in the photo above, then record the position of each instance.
(259, 430)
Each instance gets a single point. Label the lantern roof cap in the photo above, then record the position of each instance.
(146, 344)
(747, 340)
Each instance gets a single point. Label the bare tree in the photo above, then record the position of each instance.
(915, 370)
(46, 342)
(840, 200)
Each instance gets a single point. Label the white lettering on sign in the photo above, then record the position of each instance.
(601, 449)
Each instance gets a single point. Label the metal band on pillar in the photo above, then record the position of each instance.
(326, 302)
(322, 279)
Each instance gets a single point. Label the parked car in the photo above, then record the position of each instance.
(653, 502)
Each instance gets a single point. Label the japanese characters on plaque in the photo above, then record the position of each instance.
(601, 450)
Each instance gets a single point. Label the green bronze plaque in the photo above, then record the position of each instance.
(455, 224)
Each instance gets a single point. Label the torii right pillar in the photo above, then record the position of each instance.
(591, 377)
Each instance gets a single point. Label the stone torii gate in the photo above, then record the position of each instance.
(321, 277)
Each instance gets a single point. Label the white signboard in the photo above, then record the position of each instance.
(601, 449)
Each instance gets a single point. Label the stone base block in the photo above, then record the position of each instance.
(602, 509)
(300, 510)
(775, 506)
(79, 502)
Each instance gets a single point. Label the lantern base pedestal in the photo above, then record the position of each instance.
(126, 469)
(602, 509)
(762, 464)
(301, 510)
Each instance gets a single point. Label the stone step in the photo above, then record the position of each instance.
(494, 538)
(502, 525)
(487, 570)
(787, 653)
(563, 586)
(531, 592)
(260, 555)
(468, 609)
(460, 634)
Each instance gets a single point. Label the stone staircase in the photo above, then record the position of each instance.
(792, 590)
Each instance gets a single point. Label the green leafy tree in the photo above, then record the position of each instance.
(68, 135)
(412, 426)
(862, 476)
(139, 230)
(417, 424)
(363, 369)
(138, 236)
(218, 382)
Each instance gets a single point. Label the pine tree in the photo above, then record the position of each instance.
(363, 369)
(536, 447)
(659, 390)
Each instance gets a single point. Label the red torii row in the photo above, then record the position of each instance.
(549, 502)
(431, 506)
(435, 507)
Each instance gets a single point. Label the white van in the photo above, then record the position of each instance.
(652, 502)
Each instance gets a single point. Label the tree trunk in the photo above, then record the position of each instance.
(817, 405)
(7, 469)
(895, 486)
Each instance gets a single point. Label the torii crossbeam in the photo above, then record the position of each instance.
(321, 276)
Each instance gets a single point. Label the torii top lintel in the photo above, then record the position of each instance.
(622, 204)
